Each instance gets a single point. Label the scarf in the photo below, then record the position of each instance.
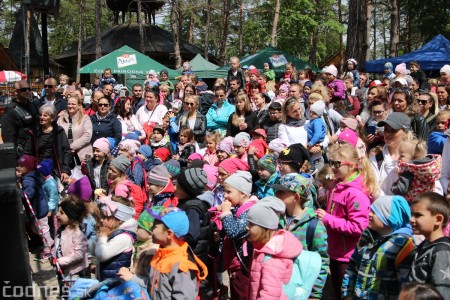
(159, 144)
(294, 122)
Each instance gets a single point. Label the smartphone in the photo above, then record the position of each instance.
(122, 93)
(372, 129)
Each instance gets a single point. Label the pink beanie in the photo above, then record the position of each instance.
(102, 144)
(348, 136)
(331, 69)
(350, 123)
(211, 175)
(195, 156)
(226, 145)
(277, 145)
(131, 146)
(231, 165)
(401, 68)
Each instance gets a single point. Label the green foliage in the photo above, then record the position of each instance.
(8, 15)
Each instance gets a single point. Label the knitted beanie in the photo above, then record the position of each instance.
(195, 156)
(445, 69)
(268, 162)
(75, 210)
(145, 150)
(45, 167)
(331, 69)
(173, 166)
(103, 145)
(277, 145)
(241, 181)
(348, 136)
(393, 211)
(232, 165)
(211, 176)
(121, 163)
(318, 108)
(130, 146)
(131, 136)
(266, 212)
(241, 139)
(162, 153)
(226, 145)
(192, 181)
(401, 68)
(81, 188)
(158, 176)
(28, 162)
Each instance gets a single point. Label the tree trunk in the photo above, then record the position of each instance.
(80, 33)
(98, 34)
(175, 23)
(223, 40)
(241, 24)
(395, 28)
(208, 24)
(357, 43)
(368, 16)
(341, 37)
(384, 32)
(313, 52)
(191, 23)
(141, 28)
(275, 24)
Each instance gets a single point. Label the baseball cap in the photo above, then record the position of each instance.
(396, 120)
(174, 218)
(293, 183)
(295, 153)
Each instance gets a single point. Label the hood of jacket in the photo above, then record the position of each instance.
(283, 245)
(355, 183)
(130, 225)
(169, 188)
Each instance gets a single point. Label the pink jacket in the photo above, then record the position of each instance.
(347, 217)
(267, 278)
(74, 248)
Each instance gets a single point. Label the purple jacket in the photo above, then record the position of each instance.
(347, 217)
(338, 88)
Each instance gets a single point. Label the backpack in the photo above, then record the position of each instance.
(137, 194)
(305, 270)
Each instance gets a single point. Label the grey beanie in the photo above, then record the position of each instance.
(318, 108)
(158, 176)
(192, 181)
(266, 212)
(121, 163)
(242, 181)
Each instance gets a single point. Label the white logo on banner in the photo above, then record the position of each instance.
(126, 60)
(278, 60)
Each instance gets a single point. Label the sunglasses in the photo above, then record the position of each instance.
(378, 112)
(423, 102)
(48, 86)
(103, 104)
(27, 89)
(189, 103)
(337, 164)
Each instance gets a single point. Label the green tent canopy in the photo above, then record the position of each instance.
(126, 61)
(277, 57)
(205, 69)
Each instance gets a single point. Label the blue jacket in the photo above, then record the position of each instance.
(110, 80)
(109, 126)
(436, 141)
(316, 131)
(264, 187)
(88, 228)
(32, 185)
(51, 191)
(218, 119)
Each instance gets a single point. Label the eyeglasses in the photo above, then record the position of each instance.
(423, 102)
(378, 112)
(25, 89)
(49, 86)
(103, 104)
(189, 103)
(337, 164)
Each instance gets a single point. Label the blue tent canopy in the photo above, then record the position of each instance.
(431, 56)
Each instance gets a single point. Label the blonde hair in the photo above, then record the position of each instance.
(362, 165)
(65, 77)
(294, 76)
(193, 78)
(420, 147)
(263, 235)
(444, 112)
(286, 105)
(80, 113)
(325, 174)
(235, 58)
(214, 137)
(184, 120)
(241, 97)
(319, 89)
(164, 87)
(315, 96)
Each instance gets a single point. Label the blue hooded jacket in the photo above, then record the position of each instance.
(32, 186)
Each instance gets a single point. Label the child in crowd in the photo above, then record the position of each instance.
(429, 215)
(272, 125)
(292, 159)
(351, 71)
(136, 171)
(224, 149)
(145, 155)
(187, 68)
(145, 249)
(235, 71)
(71, 245)
(276, 146)
(96, 168)
(274, 250)
(117, 234)
(152, 79)
(161, 154)
(419, 291)
(236, 260)
(63, 82)
(31, 184)
(186, 147)
(437, 138)
(240, 143)
(316, 132)
(383, 256)
(270, 76)
(300, 219)
(418, 172)
(174, 270)
(290, 73)
(117, 175)
(107, 78)
(347, 213)
(158, 140)
(50, 187)
(226, 168)
(164, 76)
(160, 188)
(174, 168)
(212, 140)
(324, 180)
(268, 175)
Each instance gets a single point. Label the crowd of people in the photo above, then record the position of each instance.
(299, 187)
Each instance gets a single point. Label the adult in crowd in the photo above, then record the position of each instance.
(96, 95)
(295, 92)
(378, 110)
(292, 130)
(373, 92)
(235, 88)
(53, 143)
(78, 129)
(193, 119)
(50, 96)
(403, 101)
(19, 121)
(427, 109)
(219, 113)
(243, 119)
(108, 94)
(443, 93)
(130, 123)
(105, 123)
(152, 112)
(137, 101)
